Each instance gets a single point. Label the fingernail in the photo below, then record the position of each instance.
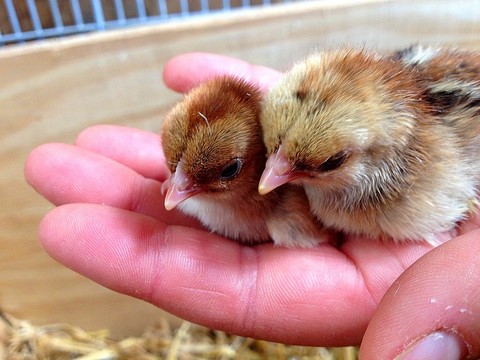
(437, 345)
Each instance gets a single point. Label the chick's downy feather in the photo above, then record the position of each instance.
(385, 145)
(213, 144)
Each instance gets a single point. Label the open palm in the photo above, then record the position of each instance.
(111, 226)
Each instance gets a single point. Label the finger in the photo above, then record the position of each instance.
(436, 300)
(310, 297)
(382, 262)
(186, 71)
(67, 174)
(139, 150)
(293, 296)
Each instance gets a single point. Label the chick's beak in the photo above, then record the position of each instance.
(179, 188)
(278, 171)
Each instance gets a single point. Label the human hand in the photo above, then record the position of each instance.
(432, 310)
(110, 225)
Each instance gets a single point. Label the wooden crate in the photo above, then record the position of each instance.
(50, 91)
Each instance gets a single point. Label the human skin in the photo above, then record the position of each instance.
(110, 225)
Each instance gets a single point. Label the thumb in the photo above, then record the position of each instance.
(432, 311)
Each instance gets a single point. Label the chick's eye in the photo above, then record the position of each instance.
(231, 170)
(334, 162)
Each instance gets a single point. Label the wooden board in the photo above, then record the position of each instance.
(50, 91)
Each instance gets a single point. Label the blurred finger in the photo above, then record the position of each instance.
(67, 174)
(186, 71)
(139, 150)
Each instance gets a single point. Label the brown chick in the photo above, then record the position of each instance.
(214, 148)
(385, 145)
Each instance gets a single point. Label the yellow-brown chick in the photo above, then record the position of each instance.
(214, 148)
(385, 145)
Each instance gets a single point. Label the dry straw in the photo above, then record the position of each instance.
(20, 340)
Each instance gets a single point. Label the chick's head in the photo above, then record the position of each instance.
(212, 141)
(335, 117)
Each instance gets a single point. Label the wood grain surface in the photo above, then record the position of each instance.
(50, 91)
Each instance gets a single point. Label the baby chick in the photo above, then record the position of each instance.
(385, 145)
(213, 144)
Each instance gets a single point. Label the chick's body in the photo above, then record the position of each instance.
(213, 144)
(384, 145)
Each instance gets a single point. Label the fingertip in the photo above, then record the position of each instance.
(114, 247)
(34, 155)
(437, 345)
(84, 138)
(135, 148)
(50, 232)
(30, 164)
(439, 292)
(186, 71)
(37, 163)
(177, 73)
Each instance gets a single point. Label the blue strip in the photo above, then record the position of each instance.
(120, 11)
(80, 10)
(162, 6)
(12, 15)
(98, 14)
(32, 10)
(204, 6)
(77, 14)
(57, 16)
(142, 12)
(184, 7)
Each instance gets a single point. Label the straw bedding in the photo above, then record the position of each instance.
(20, 340)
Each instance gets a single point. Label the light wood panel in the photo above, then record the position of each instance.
(51, 91)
